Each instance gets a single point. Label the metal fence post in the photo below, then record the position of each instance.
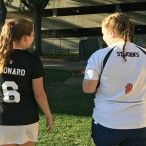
(68, 54)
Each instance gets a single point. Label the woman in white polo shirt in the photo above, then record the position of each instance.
(119, 115)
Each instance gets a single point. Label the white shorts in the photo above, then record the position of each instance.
(19, 134)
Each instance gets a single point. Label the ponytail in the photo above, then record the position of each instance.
(123, 49)
(12, 32)
(6, 45)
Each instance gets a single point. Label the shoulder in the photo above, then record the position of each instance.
(31, 56)
(101, 53)
(141, 48)
(132, 46)
(33, 60)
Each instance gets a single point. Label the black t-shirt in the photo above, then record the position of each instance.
(17, 103)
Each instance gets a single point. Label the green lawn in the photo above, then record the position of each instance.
(72, 111)
(70, 56)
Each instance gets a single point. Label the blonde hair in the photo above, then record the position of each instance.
(121, 24)
(12, 31)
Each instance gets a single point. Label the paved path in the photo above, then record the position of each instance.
(72, 66)
(77, 69)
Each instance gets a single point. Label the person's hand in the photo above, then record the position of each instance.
(49, 124)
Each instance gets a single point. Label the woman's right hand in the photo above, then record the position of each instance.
(49, 124)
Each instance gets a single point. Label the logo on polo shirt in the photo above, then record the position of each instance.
(128, 88)
(129, 54)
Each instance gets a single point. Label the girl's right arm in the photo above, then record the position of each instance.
(42, 101)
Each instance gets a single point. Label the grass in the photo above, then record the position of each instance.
(68, 131)
(60, 54)
(70, 56)
(72, 111)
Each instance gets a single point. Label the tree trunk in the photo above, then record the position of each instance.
(36, 6)
(3, 13)
(37, 31)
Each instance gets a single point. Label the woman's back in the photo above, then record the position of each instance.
(16, 88)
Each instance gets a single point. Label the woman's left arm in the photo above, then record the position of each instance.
(89, 86)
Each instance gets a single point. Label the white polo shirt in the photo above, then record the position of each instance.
(120, 100)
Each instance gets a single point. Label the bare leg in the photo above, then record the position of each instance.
(8, 145)
(30, 143)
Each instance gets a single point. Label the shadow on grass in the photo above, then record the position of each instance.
(66, 99)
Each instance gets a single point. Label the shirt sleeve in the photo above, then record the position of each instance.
(38, 70)
(93, 68)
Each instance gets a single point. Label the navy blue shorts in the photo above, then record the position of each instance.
(103, 136)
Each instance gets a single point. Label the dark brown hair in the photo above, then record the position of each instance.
(12, 31)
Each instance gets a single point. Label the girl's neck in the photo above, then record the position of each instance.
(115, 41)
(118, 40)
(17, 46)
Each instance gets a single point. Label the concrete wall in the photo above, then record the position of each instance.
(80, 3)
(87, 21)
(15, 4)
(79, 21)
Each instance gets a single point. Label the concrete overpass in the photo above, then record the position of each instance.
(66, 22)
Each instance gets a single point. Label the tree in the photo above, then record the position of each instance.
(3, 13)
(36, 6)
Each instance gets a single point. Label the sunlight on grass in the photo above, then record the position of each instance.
(68, 131)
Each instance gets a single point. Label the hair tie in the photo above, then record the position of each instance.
(11, 24)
